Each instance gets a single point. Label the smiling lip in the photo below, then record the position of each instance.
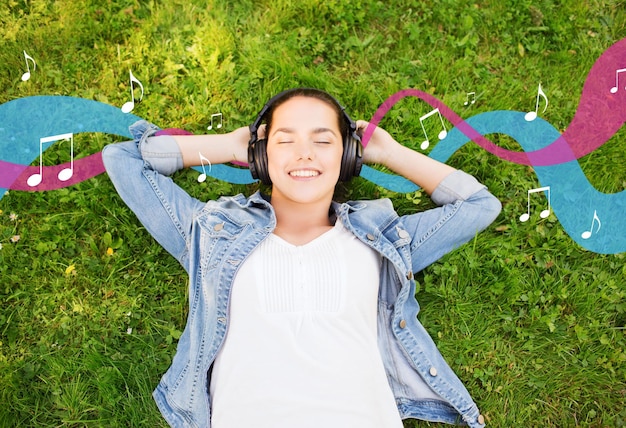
(304, 173)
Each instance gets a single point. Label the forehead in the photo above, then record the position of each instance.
(301, 109)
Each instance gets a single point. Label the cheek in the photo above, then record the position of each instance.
(275, 163)
(336, 157)
(273, 157)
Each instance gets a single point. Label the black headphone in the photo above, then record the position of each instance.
(351, 160)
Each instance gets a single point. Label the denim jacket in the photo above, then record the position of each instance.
(212, 239)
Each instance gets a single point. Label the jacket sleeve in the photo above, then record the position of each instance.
(138, 171)
(465, 208)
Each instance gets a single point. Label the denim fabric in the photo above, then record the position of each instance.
(211, 240)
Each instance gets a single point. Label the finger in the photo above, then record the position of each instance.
(261, 131)
(360, 127)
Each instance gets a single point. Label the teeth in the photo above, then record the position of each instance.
(304, 173)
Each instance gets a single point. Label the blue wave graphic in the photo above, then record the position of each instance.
(25, 120)
(574, 200)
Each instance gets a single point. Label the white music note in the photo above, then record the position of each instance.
(441, 135)
(130, 105)
(587, 233)
(213, 116)
(202, 177)
(532, 115)
(26, 75)
(473, 96)
(617, 73)
(543, 214)
(66, 173)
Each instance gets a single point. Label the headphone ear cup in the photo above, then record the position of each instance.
(252, 161)
(352, 159)
(257, 159)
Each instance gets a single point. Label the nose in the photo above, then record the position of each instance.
(304, 149)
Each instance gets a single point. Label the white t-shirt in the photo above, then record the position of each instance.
(301, 348)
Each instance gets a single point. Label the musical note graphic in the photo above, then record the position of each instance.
(130, 105)
(587, 234)
(66, 173)
(202, 177)
(473, 96)
(213, 116)
(441, 135)
(543, 214)
(617, 73)
(26, 75)
(532, 115)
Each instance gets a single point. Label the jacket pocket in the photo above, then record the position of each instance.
(218, 232)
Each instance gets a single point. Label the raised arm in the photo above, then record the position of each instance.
(465, 206)
(139, 170)
(217, 148)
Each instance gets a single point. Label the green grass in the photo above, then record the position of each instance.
(92, 306)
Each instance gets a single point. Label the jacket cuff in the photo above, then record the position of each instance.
(457, 186)
(161, 153)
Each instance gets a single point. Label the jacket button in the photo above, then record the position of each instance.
(409, 275)
(433, 371)
(370, 237)
(218, 227)
(481, 419)
(403, 234)
(402, 323)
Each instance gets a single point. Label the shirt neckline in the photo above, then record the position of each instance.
(337, 228)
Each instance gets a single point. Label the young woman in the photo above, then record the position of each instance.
(302, 310)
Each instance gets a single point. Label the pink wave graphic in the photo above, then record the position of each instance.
(14, 176)
(600, 114)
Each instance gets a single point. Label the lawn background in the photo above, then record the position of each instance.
(92, 306)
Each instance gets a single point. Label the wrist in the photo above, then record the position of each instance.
(238, 141)
(390, 151)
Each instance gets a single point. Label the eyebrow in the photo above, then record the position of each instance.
(320, 130)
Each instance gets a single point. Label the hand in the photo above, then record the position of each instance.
(241, 138)
(384, 150)
(379, 145)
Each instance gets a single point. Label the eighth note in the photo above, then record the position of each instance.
(219, 125)
(532, 115)
(543, 214)
(26, 75)
(587, 233)
(130, 105)
(473, 101)
(66, 173)
(441, 135)
(202, 177)
(617, 72)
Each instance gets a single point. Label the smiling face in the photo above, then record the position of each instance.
(304, 150)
